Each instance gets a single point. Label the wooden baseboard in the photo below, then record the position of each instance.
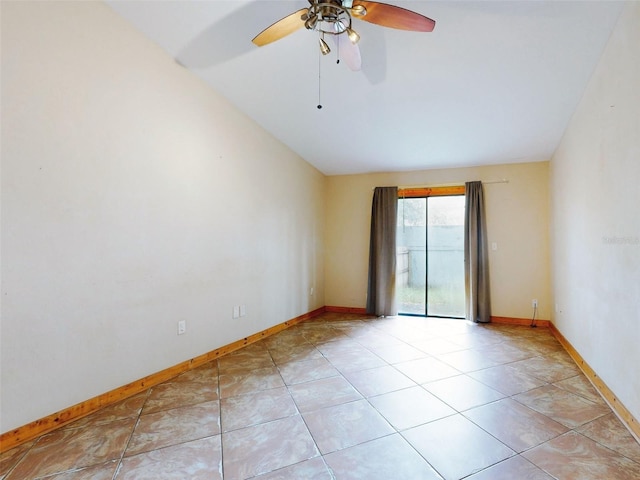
(619, 409)
(357, 310)
(27, 432)
(519, 321)
(501, 320)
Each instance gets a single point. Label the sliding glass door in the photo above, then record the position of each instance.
(430, 251)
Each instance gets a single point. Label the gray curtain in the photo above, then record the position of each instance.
(476, 261)
(381, 291)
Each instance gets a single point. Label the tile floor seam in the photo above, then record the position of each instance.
(421, 455)
(574, 430)
(135, 425)
(605, 446)
(22, 456)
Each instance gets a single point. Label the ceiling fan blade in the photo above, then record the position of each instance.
(348, 52)
(226, 38)
(374, 43)
(393, 17)
(281, 28)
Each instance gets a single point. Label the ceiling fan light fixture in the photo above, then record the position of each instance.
(324, 47)
(353, 35)
(359, 10)
(311, 22)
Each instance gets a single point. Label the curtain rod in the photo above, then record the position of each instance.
(401, 187)
(504, 180)
(404, 187)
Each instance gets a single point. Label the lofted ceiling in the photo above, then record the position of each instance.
(495, 82)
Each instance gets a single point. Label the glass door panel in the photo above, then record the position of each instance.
(445, 256)
(411, 248)
(430, 256)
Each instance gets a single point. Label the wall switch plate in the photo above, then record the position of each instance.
(182, 327)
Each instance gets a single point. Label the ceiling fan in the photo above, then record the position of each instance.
(334, 18)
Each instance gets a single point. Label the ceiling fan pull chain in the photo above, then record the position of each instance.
(319, 78)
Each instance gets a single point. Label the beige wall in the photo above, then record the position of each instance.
(595, 189)
(517, 220)
(133, 197)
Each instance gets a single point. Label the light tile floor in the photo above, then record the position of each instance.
(354, 397)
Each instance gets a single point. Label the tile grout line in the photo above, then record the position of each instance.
(135, 425)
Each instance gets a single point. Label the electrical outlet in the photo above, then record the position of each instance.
(311, 291)
(236, 311)
(534, 303)
(182, 327)
(242, 310)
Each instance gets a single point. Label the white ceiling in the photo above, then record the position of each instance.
(495, 82)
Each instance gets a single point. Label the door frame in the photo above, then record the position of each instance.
(423, 192)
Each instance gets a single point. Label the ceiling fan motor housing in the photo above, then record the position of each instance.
(327, 16)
